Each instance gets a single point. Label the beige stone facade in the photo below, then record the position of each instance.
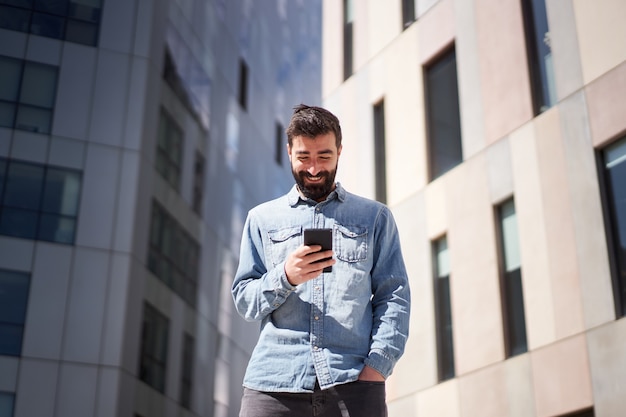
(547, 161)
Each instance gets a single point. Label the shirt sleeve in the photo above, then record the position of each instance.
(391, 299)
(256, 291)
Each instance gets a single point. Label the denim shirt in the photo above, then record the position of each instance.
(328, 328)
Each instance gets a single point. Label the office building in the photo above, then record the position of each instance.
(134, 137)
(496, 132)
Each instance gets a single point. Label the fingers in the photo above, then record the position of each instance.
(306, 263)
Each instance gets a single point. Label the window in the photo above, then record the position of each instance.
(380, 169)
(443, 309)
(348, 18)
(74, 20)
(173, 255)
(539, 54)
(443, 117)
(198, 184)
(408, 13)
(243, 84)
(38, 201)
(584, 413)
(14, 288)
(154, 338)
(27, 94)
(511, 281)
(186, 371)
(279, 143)
(169, 150)
(6, 404)
(613, 162)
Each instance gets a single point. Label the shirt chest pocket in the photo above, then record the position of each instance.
(350, 243)
(282, 242)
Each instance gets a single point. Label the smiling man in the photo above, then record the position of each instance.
(328, 340)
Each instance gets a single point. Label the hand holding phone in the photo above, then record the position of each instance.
(322, 237)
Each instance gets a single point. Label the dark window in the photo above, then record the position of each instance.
(169, 150)
(14, 288)
(511, 280)
(613, 162)
(443, 309)
(27, 94)
(198, 183)
(279, 144)
(539, 54)
(380, 168)
(38, 201)
(154, 338)
(71, 20)
(442, 109)
(348, 22)
(408, 13)
(173, 255)
(186, 376)
(584, 413)
(243, 84)
(7, 399)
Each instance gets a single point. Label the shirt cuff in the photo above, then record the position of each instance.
(380, 361)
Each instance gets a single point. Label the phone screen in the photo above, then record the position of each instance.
(322, 237)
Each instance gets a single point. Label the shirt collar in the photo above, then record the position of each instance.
(294, 196)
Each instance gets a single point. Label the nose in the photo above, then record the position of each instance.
(313, 169)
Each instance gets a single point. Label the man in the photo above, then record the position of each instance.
(328, 339)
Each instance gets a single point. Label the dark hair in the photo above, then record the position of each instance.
(311, 121)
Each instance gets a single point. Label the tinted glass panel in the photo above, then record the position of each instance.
(443, 310)
(38, 85)
(444, 123)
(615, 177)
(24, 186)
(13, 18)
(10, 75)
(47, 25)
(6, 404)
(61, 193)
(14, 288)
(18, 223)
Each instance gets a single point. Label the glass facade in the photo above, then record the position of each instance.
(71, 20)
(14, 287)
(27, 94)
(380, 156)
(169, 150)
(38, 201)
(154, 340)
(173, 255)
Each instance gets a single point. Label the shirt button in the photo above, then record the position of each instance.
(315, 348)
(317, 318)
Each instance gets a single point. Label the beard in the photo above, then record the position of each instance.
(316, 192)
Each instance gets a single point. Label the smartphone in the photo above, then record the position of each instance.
(322, 237)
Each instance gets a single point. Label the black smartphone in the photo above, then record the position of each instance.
(322, 237)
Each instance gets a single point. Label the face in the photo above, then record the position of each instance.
(314, 164)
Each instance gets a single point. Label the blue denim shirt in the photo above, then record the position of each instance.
(330, 327)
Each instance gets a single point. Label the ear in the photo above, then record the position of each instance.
(288, 151)
(339, 150)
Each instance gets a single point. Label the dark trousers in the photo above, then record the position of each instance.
(355, 399)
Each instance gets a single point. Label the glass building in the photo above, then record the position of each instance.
(134, 137)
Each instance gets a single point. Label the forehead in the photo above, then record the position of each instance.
(320, 144)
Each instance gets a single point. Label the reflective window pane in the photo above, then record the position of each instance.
(13, 18)
(7, 114)
(47, 25)
(14, 287)
(39, 85)
(18, 223)
(6, 403)
(58, 7)
(10, 75)
(24, 186)
(33, 119)
(81, 32)
(53, 228)
(61, 192)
